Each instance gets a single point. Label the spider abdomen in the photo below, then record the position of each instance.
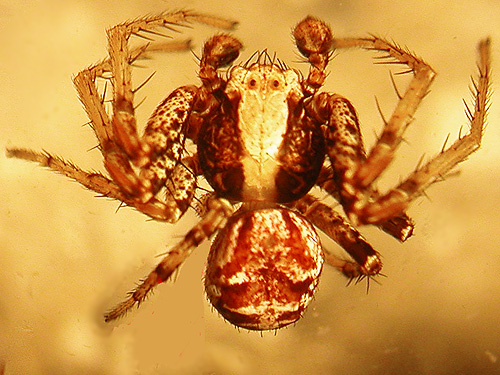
(263, 268)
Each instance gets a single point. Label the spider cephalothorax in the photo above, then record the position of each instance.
(264, 137)
(257, 143)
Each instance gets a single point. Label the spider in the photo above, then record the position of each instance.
(262, 135)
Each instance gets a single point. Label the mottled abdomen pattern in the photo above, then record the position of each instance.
(263, 268)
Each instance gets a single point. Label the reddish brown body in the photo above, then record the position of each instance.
(258, 143)
(263, 268)
(264, 136)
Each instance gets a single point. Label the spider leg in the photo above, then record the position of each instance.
(139, 166)
(315, 41)
(354, 172)
(164, 166)
(436, 168)
(218, 211)
(106, 187)
(121, 129)
(93, 180)
(382, 152)
(344, 145)
(158, 152)
(400, 226)
(366, 260)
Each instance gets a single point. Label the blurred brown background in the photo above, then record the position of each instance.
(66, 256)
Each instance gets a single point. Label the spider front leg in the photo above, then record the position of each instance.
(140, 167)
(315, 40)
(355, 173)
(366, 210)
(159, 152)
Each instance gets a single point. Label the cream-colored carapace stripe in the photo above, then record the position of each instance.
(263, 114)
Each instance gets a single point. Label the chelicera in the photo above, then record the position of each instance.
(264, 135)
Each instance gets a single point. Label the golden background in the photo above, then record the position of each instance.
(66, 256)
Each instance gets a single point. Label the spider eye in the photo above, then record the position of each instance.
(252, 83)
(275, 84)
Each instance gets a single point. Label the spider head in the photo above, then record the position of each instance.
(257, 142)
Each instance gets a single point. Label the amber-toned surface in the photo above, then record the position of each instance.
(259, 137)
(436, 310)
